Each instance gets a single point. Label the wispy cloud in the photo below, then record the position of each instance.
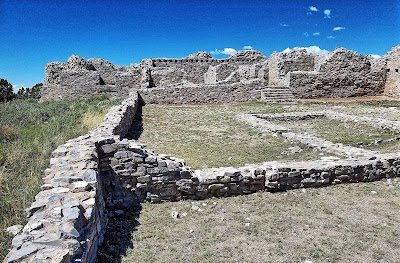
(338, 28)
(330, 37)
(327, 13)
(316, 33)
(283, 24)
(225, 51)
(247, 47)
(306, 34)
(312, 9)
(310, 50)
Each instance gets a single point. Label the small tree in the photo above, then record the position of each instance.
(36, 90)
(6, 91)
(30, 93)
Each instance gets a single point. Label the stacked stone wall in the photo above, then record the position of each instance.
(193, 94)
(280, 64)
(79, 78)
(67, 221)
(392, 85)
(343, 73)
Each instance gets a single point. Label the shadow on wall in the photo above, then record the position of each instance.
(123, 221)
(122, 205)
(136, 128)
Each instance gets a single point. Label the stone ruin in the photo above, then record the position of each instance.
(101, 177)
(97, 180)
(245, 76)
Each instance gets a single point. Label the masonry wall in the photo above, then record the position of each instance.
(343, 73)
(84, 79)
(171, 72)
(392, 85)
(67, 221)
(217, 93)
(280, 64)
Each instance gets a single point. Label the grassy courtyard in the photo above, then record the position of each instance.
(211, 136)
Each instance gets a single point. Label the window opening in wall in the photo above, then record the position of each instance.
(397, 70)
(388, 70)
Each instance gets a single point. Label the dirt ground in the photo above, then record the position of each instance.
(344, 223)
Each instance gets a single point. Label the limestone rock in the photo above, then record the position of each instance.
(200, 55)
(247, 54)
(22, 253)
(15, 229)
(77, 63)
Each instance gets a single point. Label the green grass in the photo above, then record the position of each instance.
(29, 131)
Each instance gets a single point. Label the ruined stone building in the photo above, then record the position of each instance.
(246, 75)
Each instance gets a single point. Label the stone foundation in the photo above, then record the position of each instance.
(102, 175)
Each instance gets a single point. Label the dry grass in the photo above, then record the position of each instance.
(29, 131)
(345, 223)
(90, 119)
(346, 132)
(211, 136)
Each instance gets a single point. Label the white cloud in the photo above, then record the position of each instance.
(18, 86)
(306, 34)
(375, 56)
(283, 24)
(316, 33)
(338, 28)
(225, 51)
(327, 13)
(330, 37)
(247, 47)
(312, 9)
(310, 50)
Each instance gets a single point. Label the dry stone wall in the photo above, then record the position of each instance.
(342, 73)
(67, 221)
(211, 93)
(280, 64)
(94, 77)
(392, 59)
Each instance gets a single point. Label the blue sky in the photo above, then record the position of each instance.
(34, 33)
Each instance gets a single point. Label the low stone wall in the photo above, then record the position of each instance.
(133, 174)
(67, 221)
(219, 93)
